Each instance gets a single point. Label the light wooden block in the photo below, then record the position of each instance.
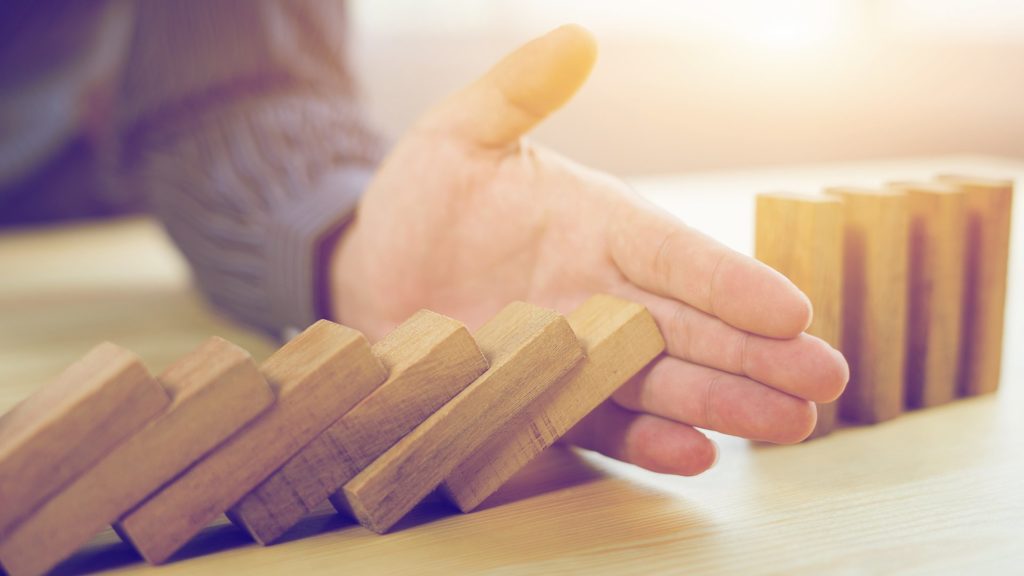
(529, 349)
(317, 377)
(989, 208)
(801, 236)
(619, 338)
(215, 390)
(938, 242)
(875, 246)
(430, 358)
(69, 424)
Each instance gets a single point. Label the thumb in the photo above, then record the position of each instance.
(518, 92)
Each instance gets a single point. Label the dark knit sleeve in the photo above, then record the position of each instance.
(245, 137)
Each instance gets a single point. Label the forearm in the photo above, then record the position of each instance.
(244, 135)
(251, 191)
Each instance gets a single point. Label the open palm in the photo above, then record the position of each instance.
(465, 216)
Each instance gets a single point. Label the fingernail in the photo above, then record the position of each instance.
(846, 365)
(718, 453)
(810, 316)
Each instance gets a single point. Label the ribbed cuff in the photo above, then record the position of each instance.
(296, 256)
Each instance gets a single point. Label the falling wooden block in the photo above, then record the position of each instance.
(317, 377)
(938, 241)
(801, 236)
(989, 206)
(875, 246)
(215, 390)
(529, 349)
(430, 358)
(69, 424)
(619, 338)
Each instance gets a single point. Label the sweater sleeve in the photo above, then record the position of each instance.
(242, 130)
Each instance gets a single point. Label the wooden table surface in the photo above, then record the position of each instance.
(938, 491)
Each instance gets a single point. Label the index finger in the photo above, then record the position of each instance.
(661, 254)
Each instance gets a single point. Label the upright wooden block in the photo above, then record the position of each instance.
(317, 377)
(938, 240)
(529, 349)
(70, 424)
(989, 208)
(619, 338)
(801, 236)
(875, 246)
(215, 390)
(430, 358)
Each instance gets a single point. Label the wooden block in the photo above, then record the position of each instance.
(69, 424)
(430, 358)
(938, 241)
(317, 377)
(215, 390)
(529, 349)
(619, 338)
(801, 236)
(989, 208)
(875, 246)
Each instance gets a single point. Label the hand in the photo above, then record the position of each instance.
(465, 216)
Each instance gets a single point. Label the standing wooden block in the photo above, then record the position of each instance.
(317, 377)
(215, 390)
(938, 240)
(619, 338)
(989, 207)
(875, 246)
(529, 349)
(802, 237)
(430, 358)
(70, 424)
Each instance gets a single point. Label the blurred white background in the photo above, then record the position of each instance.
(691, 85)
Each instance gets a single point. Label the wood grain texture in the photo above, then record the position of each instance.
(936, 274)
(801, 236)
(215, 390)
(936, 492)
(69, 424)
(989, 209)
(619, 338)
(875, 245)
(430, 358)
(316, 377)
(529, 349)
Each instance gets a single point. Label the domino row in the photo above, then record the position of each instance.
(908, 281)
(327, 416)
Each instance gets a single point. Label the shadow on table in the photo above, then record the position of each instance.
(555, 469)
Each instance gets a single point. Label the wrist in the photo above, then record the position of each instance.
(349, 299)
